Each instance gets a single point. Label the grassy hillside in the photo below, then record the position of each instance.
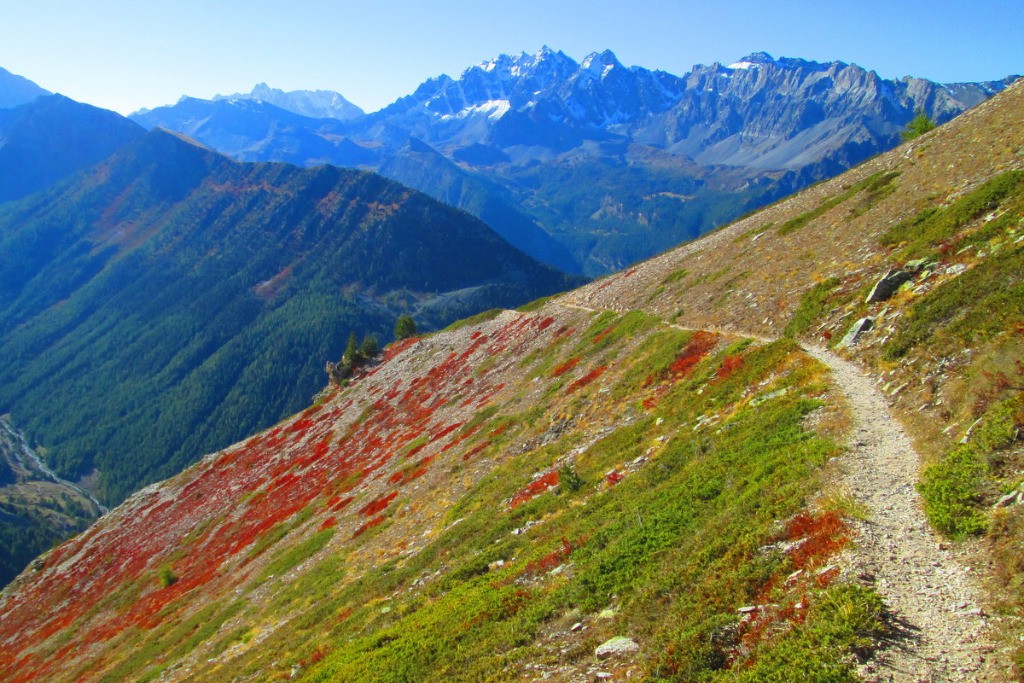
(507, 499)
(479, 493)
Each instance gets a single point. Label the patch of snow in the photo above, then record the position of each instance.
(493, 109)
(743, 65)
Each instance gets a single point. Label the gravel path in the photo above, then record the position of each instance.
(933, 597)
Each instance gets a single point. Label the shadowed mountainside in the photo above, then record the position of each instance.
(171, 301)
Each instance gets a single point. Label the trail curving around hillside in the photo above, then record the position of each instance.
(934, 600)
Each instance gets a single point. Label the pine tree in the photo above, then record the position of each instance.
(919, 125)
(351, 355)
(405, 327)
(369, 347)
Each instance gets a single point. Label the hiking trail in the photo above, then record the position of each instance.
(933, 599)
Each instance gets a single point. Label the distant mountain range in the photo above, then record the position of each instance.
(612, 162)
(315, 104)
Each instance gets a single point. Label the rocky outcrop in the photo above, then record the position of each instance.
(891, 282)
(856, 330)
(888, 285)
(616, 647)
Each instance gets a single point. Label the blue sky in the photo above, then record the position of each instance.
(127, 55)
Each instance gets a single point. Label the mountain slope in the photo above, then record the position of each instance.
(53, 137)
(419, 166)
(256, 130)
(259, 131)
(16, 90)
(502, 499)
(171, 300)
(617, 163)
(407, 528)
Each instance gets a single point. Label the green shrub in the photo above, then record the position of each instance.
(876, 185)
(951, 492)
(535, 305)
(811, 308)
(842, 619)
(569, 479)
(405, 327)
(929, 228)
(167, 576)
(297, 554)
(1000, 426)
(370, 346)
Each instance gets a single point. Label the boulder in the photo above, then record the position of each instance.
(856, 330)
(616, 647)
(1009, 499)
(888, 285)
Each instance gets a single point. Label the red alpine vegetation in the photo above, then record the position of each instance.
(817, 538)
(699, 345)
(335, 451)
(376, 521)
(729, 367)
(475, 449)
(565, 367)
(604, 333)
(551, 560)
(614, 477)
(587, 378)
(534, 489)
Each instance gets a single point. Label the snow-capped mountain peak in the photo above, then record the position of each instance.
(600, 64)
(752, 61)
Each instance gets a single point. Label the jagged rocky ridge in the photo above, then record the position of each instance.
(616, 163)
